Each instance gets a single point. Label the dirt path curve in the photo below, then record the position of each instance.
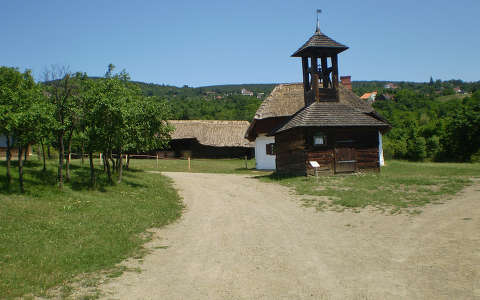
(243, 239)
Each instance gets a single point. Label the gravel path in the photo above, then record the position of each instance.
(240, 238)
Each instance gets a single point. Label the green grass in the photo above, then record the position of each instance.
(49, 237)
(228, 166)
(400, 186)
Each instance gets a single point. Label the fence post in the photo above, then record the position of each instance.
(100, 158)
(157, 160)
(189, 163)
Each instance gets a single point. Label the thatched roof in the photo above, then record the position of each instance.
(212, 132)
(287, 99)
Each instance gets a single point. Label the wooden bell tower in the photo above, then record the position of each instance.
(320, 67)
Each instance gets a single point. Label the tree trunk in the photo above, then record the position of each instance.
(117, 162)
(20, 169)
(43, 156)
(69, 150)
(49, 153)
(92, 170)
(9, 159)
(38, 150)
(61, 158)
(120, 167)
(128, 162)
(83, 152)
(103, 160)
(26, 153)
(109, 172)
(114, 165)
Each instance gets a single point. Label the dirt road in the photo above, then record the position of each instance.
(243, 239)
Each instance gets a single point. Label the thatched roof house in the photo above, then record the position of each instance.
(210, 138)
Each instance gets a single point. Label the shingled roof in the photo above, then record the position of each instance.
(287, 99)
(212, 132)
(332, 114)
(319, 44)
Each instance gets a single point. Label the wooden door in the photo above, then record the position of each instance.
(345, 159)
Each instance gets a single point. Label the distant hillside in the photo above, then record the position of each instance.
(434, 87)
(153, 89)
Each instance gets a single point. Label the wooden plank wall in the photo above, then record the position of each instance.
(202, 151)
(13, 152)
(294, 150)
(325, 158)
(290, 152)
(367, 159)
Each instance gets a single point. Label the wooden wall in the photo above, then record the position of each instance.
(202, 151)
(266, 126)
(325, 158)
(13, 152)
(295, 149)
(290, 152)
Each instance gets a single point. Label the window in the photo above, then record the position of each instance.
(319, 139)
(270, 149)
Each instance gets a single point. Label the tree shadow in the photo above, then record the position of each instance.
(245, 169)
(34, 178)
(37, 180)
(80, 180)
(132, 184)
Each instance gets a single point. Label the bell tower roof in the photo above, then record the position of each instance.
(319, 45)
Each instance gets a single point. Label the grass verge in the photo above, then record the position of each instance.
(400, 186)
(49, 237)
(227, 166)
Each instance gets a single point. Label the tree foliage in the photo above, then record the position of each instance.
(108, 115)
(424, 127)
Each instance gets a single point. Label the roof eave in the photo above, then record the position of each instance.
(384, 128)
(315, 51)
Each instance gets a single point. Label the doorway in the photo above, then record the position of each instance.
(345, 160)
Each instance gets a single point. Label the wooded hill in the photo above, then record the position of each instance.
(436, 120)
(216, 102)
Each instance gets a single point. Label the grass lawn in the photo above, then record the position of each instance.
(48, 237)
(228, 166)
(400, 186)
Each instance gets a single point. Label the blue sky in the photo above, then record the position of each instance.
(219, 42)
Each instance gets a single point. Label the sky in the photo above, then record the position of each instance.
(198, 43)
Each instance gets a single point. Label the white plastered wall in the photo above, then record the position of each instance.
(263, 160)
(380, 150)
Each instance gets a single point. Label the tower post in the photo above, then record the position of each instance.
(318, 49)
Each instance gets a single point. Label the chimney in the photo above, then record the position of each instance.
(346, 81)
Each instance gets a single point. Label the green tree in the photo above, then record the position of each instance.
(61, 88)
(461, 138)
(26, 112)
(11, 81)
(119, 120)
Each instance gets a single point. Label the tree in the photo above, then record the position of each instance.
(22, 114)
(60, 88)
(117, 119)
(146, 128)
(461, 138)
(11, 81)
